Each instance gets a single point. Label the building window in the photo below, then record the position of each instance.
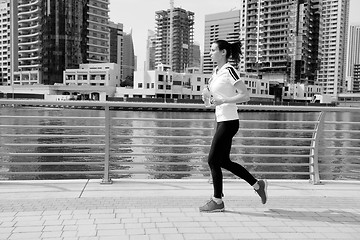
(139, 85)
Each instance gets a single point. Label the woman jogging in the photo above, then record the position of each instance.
(224, 90)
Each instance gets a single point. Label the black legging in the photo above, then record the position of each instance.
(219, 156)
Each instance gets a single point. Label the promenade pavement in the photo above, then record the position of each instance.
(168, 209)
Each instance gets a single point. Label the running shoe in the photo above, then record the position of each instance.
(262, 191)
(212, 206)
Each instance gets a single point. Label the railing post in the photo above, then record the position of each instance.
(314, 159)
(106, 179)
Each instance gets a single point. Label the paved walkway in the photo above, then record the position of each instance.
(154, 209)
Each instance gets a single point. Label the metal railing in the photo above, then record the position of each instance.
(59, 144)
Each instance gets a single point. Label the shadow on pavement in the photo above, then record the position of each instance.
(331, 216)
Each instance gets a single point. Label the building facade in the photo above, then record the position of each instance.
(98, 35)
(174, 46)
(117, 45)
(129, 64)
(5, 42)
(226, 26)
(94, 74)
(280, 39)
(353, 57)
(334, 37)
(26, 35)
(356, 78)
(51, 36)
(150, 51)
(62, 31)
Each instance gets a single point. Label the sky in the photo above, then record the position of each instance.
(138, 16)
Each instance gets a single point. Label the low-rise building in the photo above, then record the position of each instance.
(301, 92)
(99, 74)
(162, 82)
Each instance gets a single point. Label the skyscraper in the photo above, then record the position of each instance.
(226, 26)
(62, 37)
(5, 42)
(334, 33)
(280, 39)
(129, 57)
(353, 56)
(150, 51)
(25, 32)
(51, 36)
(179, 46)
(98, 31)
(116, 45)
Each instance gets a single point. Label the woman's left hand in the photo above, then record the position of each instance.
(217, 100)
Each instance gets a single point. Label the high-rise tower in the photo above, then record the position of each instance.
(129, 57)
(51, 36)
(182, 38)
(63, 38)
(150, 51)
(5, 55)
(225, 26)
(98, 31)
(334, 36)
(353, 57)
(280, 39)
(117, 45)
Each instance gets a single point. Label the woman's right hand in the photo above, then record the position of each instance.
(206, 93)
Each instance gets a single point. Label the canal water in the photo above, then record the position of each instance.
(275, 116)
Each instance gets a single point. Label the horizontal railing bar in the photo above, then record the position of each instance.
(341, 131)
(50, 126)
(339, 173)
(205, 164)
(53, 173)
(206, 154)
(52, 154)
(342, 139)
(250, 107)
(164, 119)
(278, 122)
(275, 130)
(342, 123)
(197, 172)
(209, 120)
(342, 147)
(162, 128)
(211, 129)
(52, 117)
(49, 163)
(198, 145)
(339, 156)
(51, 135)
(340, 164)
(53, 145)
(210, 137)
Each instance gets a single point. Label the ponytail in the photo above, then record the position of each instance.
(233, 50)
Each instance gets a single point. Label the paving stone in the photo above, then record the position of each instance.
(329, 211)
